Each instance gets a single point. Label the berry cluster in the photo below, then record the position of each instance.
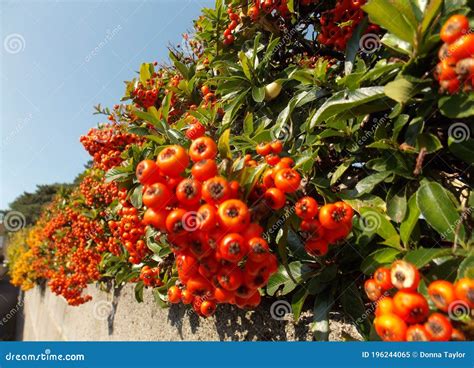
(404, 314)
(277, 181)
(150, 276)
(280, 7)
(338, 24)
(456, 67)
(221, 256)
(325, 226)
(129, 231)
(144, 97)
(234, 18)
(107, 143)
(96, 192)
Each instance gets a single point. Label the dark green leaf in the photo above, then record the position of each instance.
(386, 15)
(463, 149)
(422, 256)
(346, 100)
(397, 203)
(297, 302)
(410, 221)
(457, 106)
(320, 326)
(438, 210)
(139, 292)
(282, 280)
(258, 93)
(378, 258)
(466, 268)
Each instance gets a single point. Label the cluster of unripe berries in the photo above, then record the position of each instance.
(338, 24)
(221, 256)
(455, 71)
(325, 226)
(403, 314)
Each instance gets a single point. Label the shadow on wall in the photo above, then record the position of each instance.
(235, 324)
(11, 308)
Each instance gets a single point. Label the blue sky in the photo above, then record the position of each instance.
(51, 77)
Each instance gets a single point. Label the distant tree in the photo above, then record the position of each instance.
(30, 204)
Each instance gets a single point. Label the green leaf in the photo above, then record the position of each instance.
(368, 183)
(409, 223)
(185, 72)
(233, 108)
(346, 100)
(466, 268)
(136, 197)
(367, 200)
(159, 298)
(431, 12)
(373, 221)
(422, 256)
(396, 44)
(139, 292)
(146, 116)
(258, 93)
(385, 14)
(378, 258)
(439, 211)
(297, 302)
(145, 73)
(354, 307)
(320, 326)
(396, 203)
(302, 98)
(428, 141)
(340, 170)
(118, 174)
(462, 149)
(458, 106)
(246, 67)
(248, 124)
(224, 145)
(402, 90)
(353, 47)
(282, 280)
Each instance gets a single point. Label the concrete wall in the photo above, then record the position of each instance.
(117, 316)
